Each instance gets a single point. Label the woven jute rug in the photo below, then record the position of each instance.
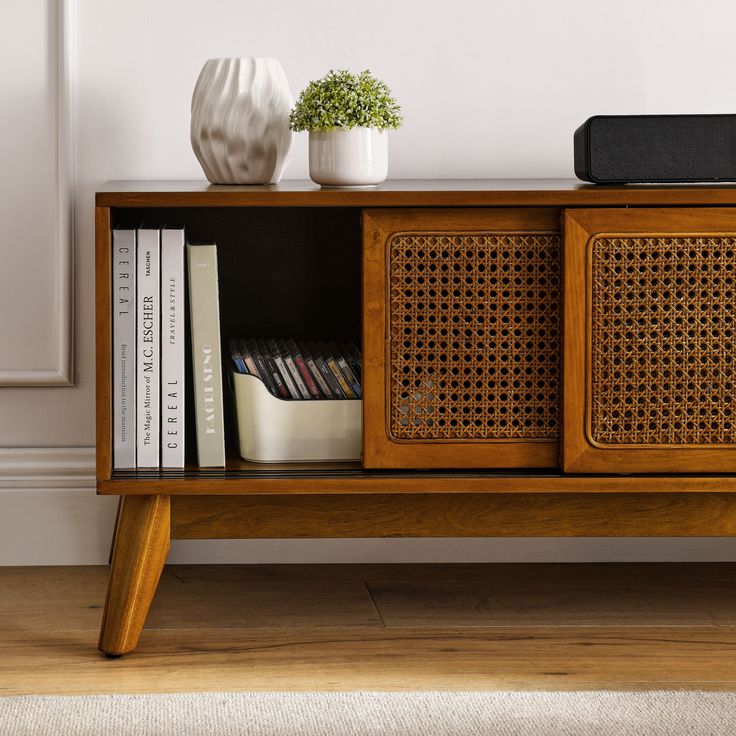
(370, 713)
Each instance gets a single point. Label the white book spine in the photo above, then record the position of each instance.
(204, 314)
(149, 348)
(123, 350)
(172, 348)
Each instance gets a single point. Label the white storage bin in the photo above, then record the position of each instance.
(275, 430)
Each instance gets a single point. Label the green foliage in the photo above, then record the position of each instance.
(344, 100)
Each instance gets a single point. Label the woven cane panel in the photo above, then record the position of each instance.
(474, 336)
(663, 318)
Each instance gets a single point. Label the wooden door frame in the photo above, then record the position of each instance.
(380, 449)
(580, 453)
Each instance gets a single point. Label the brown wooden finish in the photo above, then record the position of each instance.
(306, 483)
(660, 302)
(380, 448)
(414, 193)
(538, 594)
(461, 515)
(224, 628)
(267, 597)
(344, 500)
(103, 331)
(556, 657)
(141, 547)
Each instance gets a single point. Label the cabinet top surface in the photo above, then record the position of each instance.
(412, 193)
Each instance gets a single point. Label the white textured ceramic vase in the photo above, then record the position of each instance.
(240, 120)
(346, 157)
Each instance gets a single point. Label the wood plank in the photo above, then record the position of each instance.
(572, 644)
(461, 515)
(313, 596)
(412, 193)
(376, 659)
(255, 597)
(192, 596)
(103, 331)
(342, 481)
(556, 595)
(78, 593)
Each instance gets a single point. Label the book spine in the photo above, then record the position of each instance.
(172, 348)
(204, 312)
(124, 348)
(148, 348)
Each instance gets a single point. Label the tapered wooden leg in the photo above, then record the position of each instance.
(141, 545)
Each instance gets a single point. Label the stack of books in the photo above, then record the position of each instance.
(148, 349)
(300, 370)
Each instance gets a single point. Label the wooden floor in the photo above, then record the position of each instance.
(456, 627)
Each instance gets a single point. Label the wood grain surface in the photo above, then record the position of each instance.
(459, 515)
(413, 193)
(395, 627)
(141, 545)
(324, 481)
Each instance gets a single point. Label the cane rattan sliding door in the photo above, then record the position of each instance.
(461, 338)
(650, 341)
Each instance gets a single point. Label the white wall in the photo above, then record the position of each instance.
(489, 89)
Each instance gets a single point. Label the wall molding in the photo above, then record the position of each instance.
(62, 374)
(49, 468)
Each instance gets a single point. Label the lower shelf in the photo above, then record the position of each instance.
(242, 477)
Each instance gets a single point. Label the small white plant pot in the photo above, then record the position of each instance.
(348, 157)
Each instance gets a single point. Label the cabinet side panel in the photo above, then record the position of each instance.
(103, 341)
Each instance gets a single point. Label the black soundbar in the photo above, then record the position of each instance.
(614, 149)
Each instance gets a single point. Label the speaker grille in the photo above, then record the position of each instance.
(474, 336)
(658, 148)
(663, 335)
